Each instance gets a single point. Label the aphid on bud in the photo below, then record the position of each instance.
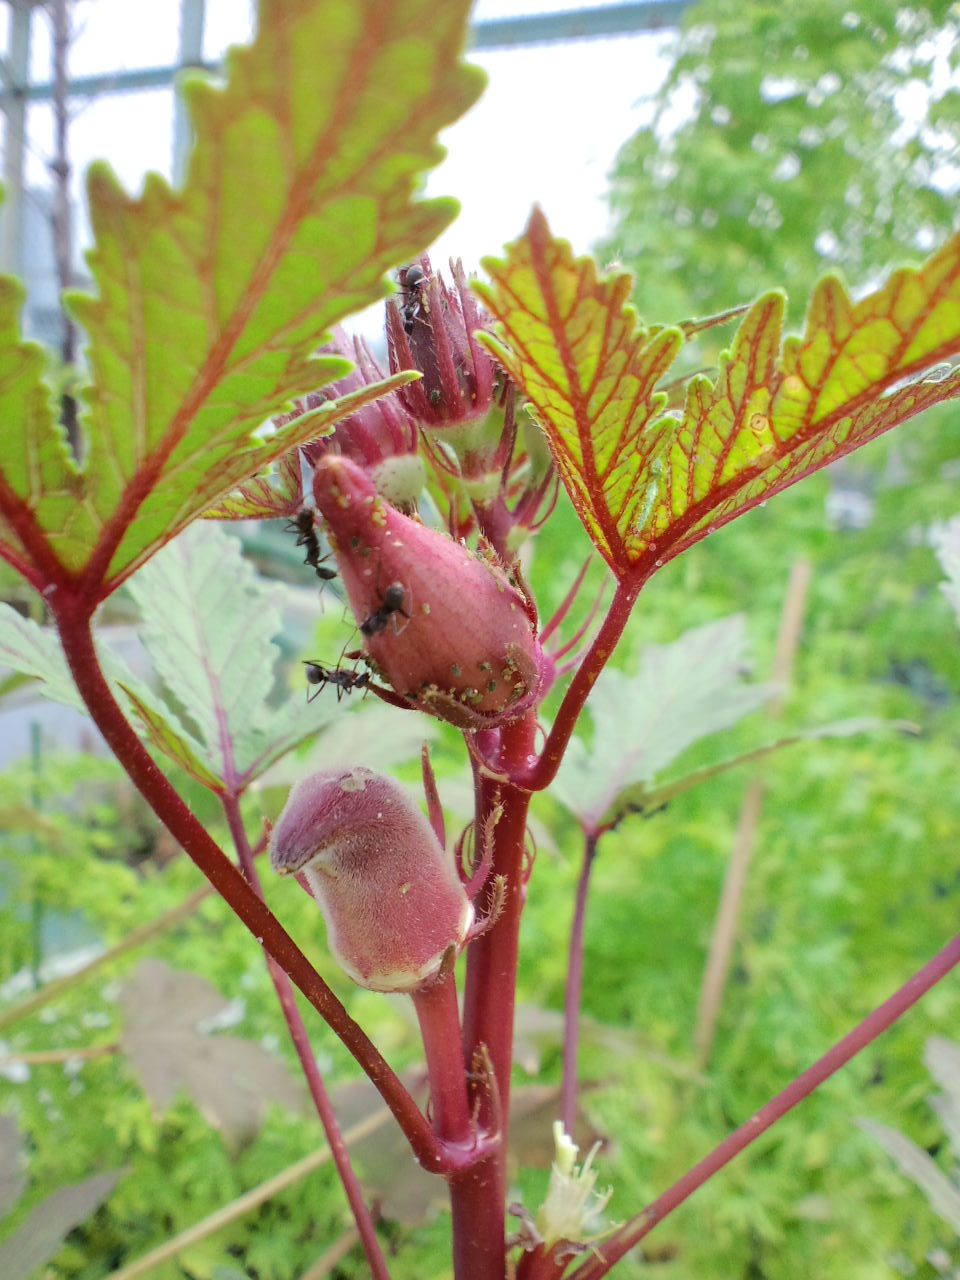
(412, 281)
(303, 524)
(345, 681)
(391, 604)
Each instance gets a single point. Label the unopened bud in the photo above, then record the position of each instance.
(444, 625)
(391, 897)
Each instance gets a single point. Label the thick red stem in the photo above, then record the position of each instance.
(478, 1197)
(73, 621)
(308, 1063)
(571, 1014)
(864, 1033)
(539, 775)
(439, 1019)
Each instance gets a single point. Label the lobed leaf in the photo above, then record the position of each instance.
(230, 1080)
(680, 693)
(209, 628)
(172, 742)
(647, 484)
(212, 301)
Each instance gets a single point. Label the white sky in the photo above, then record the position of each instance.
(547, 128)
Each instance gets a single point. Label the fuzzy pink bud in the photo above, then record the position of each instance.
(446, 626)
(390, 894)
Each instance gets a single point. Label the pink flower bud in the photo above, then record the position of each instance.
(433, 330)
(447, 627)
(391, 897)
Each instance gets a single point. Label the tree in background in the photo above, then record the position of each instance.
(787, 140)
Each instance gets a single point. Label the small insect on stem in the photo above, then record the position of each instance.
(390, 605)
(303, 524)
(345, 681)
(412, 281)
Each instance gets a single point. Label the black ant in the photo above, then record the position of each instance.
(302, 523)
(412, 281)
(345, 681)
(391, 603)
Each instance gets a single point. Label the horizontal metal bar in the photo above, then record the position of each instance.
(494, 33)
(122, 81)
(576, 24)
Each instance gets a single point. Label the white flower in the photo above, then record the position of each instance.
(571, 1204)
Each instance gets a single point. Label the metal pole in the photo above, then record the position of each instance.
(16, 71)
(192, 14)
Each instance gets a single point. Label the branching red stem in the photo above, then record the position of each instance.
(73, 621)
(864, 1033)
(308, 1063)
(539, 775)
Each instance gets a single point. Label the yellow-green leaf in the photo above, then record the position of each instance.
(648, 484)
(212, 301)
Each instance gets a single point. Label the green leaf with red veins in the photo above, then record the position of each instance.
(209, 628)
(212, 301)
(264, 497)
(647, 485)
(572, 343)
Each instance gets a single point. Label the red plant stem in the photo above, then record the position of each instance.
(584, 627)
(864, 1033)
(478, 1197)
(439, 1019)
(434, 807)
(542, 773)
(571, 1007)
(73, 620)
(308, 1063)
(565, 604)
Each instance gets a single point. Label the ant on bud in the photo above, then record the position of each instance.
(303, 523)
(391, 604)
(345, 681)
(412, 281)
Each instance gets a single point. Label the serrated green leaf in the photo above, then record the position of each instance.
(35, 652)
(589, 371)
(264, 497)
(209, 627)
(213, 300)
(36, 463)
(647, 485)
(174, 743)
(680, 693)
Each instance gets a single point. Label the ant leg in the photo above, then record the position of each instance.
(397, 631)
